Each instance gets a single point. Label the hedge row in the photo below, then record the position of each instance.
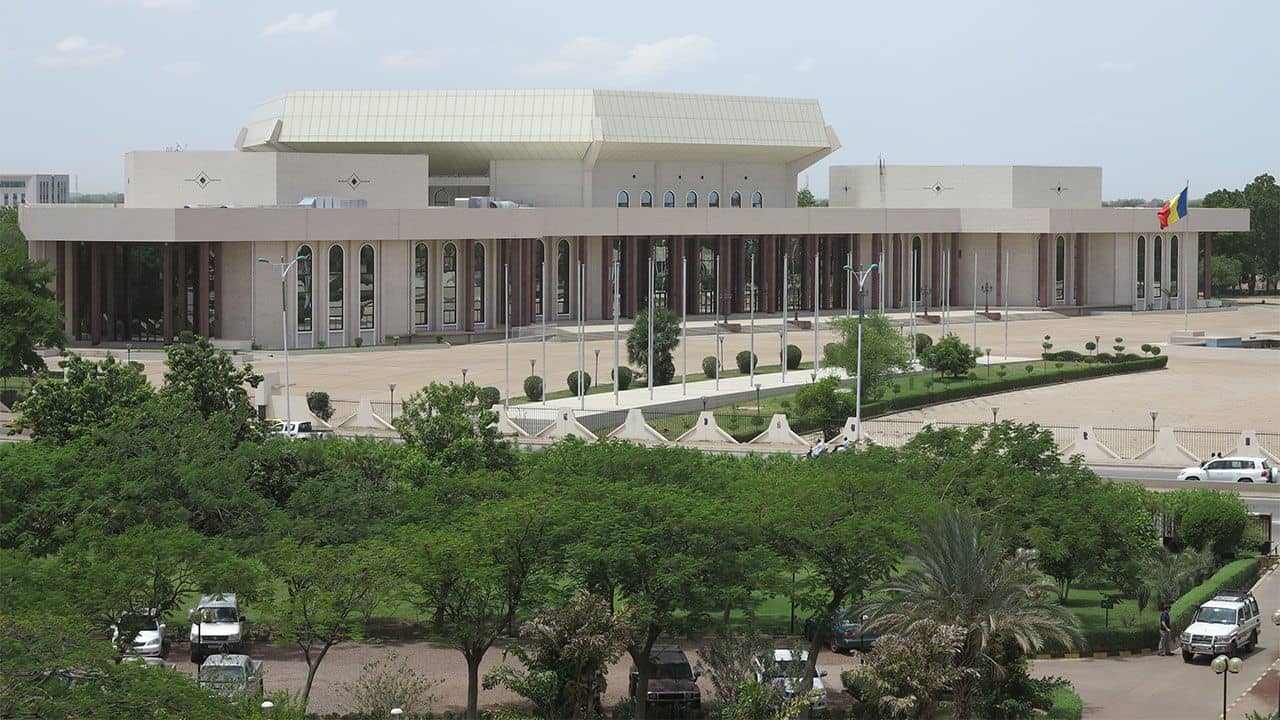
(1235, 575)
(1013, 382)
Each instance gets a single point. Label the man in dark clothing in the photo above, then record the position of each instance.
(1166, 633)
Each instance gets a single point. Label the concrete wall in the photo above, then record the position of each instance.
(965, 186)
(541, 183)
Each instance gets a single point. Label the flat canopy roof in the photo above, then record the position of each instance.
(462, 130)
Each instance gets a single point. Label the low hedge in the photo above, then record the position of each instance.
(1234, 575)
(1067, 704)
(1013, 382)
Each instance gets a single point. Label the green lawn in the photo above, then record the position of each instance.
(695, 375)
(1067, 705)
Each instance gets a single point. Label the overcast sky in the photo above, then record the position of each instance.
(1154, 92)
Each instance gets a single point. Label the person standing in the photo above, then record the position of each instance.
(1166, 633)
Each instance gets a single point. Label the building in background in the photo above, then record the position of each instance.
(409, 211)
(33, 189)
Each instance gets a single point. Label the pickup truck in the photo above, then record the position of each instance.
(231, 676)
(301, 430)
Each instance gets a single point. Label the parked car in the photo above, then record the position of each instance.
(231, 675)
(150, 638)
(216, 626)
(672, 682)
(846, 634)
(149, 662)
(1228, 623)
(1232, 469)
(301, 430)
(785, 671)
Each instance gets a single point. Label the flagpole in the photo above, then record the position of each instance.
(786, 283)
(506, 331)
(751, 377)
(616, 358)
(684, 322)
(817, 359)
(716, 316)
(1006, 306)
(582, 338)
(1182, 262)
(975, 301)
(546, 309)
(651, 311)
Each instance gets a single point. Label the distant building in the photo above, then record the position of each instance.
(33, 189)
(409, 211)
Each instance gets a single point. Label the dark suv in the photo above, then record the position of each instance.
(672, 683)
(846, 633)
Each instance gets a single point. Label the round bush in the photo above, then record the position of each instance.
(533, 388)
(794, 354)
(922, 341)
(572, 382)
(622, 375)
(746, 361)
(488, 396)
(709, 367)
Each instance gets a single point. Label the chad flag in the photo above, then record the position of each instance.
(1174, 210)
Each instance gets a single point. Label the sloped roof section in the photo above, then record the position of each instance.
(463, 129)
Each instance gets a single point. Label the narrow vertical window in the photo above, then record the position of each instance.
(305, 310)
(1141, 270)
(366, 287)
(477, 284)
(336, 282)
(661, 270)
(707, 276)
(562, 277)
(1173, 266)
(449, 285)
(646, 199)
(691, 199)
(669, 199)
(713, 199)
(735, 200)
(1060, 272)
(757, 200)
(421, 265)
(539, 275)
(624, 199)
(916, 256)
(1157, 270)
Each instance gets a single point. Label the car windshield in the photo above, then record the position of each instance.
(141, 622)
(218, 614)
(1224, 616)
(222, 674)
(672, 671)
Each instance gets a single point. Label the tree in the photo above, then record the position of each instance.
(950, 356)
(327, 591)
(209, 377)
(89, 395)
(32, 316)
(387, 683)
(319, 404)
(905, 674)
(666, 337)
(805, 198)
(884, 351)
(1166, 575)
(965, 578)
(1258, 250)
(1209, 519)
(820, 401)
(451, 424)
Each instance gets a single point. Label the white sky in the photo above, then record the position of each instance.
(1155, 92)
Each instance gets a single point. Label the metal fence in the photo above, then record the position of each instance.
(1128, 443)
(1204, 443)
(1270, 441)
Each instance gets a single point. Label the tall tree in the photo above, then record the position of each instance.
(884, 351)
(209, 377)
(1258, 249)
(89, 395)
(454, 427)
(32, 317)
(666, 337)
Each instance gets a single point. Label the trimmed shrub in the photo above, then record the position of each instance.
(922, 341)
(1065, 356)
(710, 367)
(794, 355)
(533, 388)
(1213, 520)
(319, 404)
(488, 396)
(746, 361)
(1091, 346)
(572, 382)
(622, 376)
(359, 341)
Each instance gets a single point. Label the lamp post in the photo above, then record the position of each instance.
(1153, 415)
(464, 376)
(392, 388)
(995, 411)
(128, 353)
(396, 712)
(284, 325)
(857, 402)
(597, 364)
(988, 363)
(266, 706)
(986, 297)
(757, 398)
(1223, 665)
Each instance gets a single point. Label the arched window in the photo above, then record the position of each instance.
(713, 199)
(305, 274)
(707, 252)
(646, 199)
(449, 285)
(916, 256)
(1157, 275)
(421, 264)
(757, 200)
(366, 287)
(539, 275)
(1141, 268)
(661, 270)
(669, 199)
(691, 199)
(440, 198)
(336, 282)
(477, 283)
(624, 199)
(1060, 270)
(562, 277)
(1173, 266)
(735, 200)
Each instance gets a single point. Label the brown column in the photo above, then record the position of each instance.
(767, 284)
(829, 261)
(202, 289)
(183, 275)
(807, 272)
(877, 246)
(631, 268)
(219, 309)
(675, 273)
(1042, 269)
(896, 300)
(60, 271)
(1208, 265)
(954, 271)
(95, 293)
(1080, 268)
(466, 306)
(1000, 269)
(166, 283)
(107, 259)
(606, 278)
(728, 288)
(935, 270)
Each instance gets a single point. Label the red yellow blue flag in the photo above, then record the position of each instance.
(1174, 210)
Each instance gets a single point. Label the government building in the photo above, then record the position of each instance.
(420, 214)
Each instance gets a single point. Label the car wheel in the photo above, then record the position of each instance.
(835, 648)
(1232, 650)
(1187, 656)
(1248, 480)
(1253, 642)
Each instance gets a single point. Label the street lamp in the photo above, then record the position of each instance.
(266, 707)
(396, 712)
(1153, 415)
(464, 376)
(995, 411)
(857, 402)
(392, 388)
(597, 365)
(1223, 665)
(284, 326)
(988, 363)
(1275, 618)
(986, 297)
(128, 353)
(757, 398)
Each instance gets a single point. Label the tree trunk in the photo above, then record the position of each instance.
(312, 667)
(820, 633)
(641, 658)
(473, 684)
(728, 607)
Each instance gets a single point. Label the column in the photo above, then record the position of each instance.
(1079, 269)
(1208, 264)
(466, 286)
(107, 258)
(877, 246)
(675, 271)
(606, 278)
(1042, 269)
(728, 290)
(202, 289)
(166, 284)
(631, 268)
(579, 279)
(896, 300)
(935, 271)
(95, 293)
(807, 272)
(954, 271)
(769, 273)
(183, 275)
(219, 309)
(60, 270)
(1000, 269)
(829, 263)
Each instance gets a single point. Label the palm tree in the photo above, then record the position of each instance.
(964, 579)
(1167, 574)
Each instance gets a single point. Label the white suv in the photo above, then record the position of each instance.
(1232, 469)
(1227, 624)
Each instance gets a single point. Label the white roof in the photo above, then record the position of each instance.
(461, 130)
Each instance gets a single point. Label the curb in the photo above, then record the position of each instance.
(1093, 655)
